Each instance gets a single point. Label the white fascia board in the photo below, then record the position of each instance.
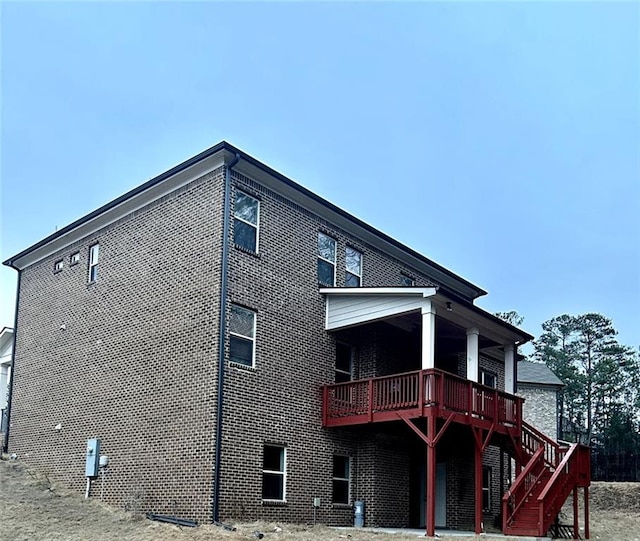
(126, 207)
(423, 292)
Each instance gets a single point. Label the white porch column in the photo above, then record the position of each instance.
(428, 335)
(473, 335)
(510, 368)
(4, 378)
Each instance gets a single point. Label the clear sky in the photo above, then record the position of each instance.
(501, 140)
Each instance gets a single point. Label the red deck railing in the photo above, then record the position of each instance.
(419, 393)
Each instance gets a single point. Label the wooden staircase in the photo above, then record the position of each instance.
(551, 473)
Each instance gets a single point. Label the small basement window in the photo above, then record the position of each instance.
(341, 479)
(486, 488)
(274, 473)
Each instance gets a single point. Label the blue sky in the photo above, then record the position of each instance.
(499, 139)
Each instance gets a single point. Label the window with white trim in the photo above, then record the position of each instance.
(344, 363)
(407, 281)
(246, 221)
(74, 258)
(353, 267)
(326, 260)
(488, 379)
(242, 335)
(341, 479)
(486, 488)
(58, 265)
(94, 254)
(274, 473)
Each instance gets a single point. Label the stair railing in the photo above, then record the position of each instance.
(522, 487)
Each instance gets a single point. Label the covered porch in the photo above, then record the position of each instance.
(437, 360)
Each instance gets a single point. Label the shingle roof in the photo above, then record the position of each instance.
(537, 373)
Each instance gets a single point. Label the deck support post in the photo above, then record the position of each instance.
(587, 533)
(576, 533)
(428, 335)
(430, 511)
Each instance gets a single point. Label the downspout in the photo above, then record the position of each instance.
(215, 510)
(5, 446)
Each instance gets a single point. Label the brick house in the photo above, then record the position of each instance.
(540, 388)
(242, 347)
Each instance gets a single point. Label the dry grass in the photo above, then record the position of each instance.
(33, 508)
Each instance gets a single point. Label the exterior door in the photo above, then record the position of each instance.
(441, 496)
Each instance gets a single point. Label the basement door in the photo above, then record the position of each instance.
(441, 496)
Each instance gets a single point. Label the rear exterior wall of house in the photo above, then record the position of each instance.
(278, 400)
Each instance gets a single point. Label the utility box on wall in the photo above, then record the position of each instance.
(93, 457)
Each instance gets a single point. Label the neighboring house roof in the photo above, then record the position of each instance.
(217, 156)
(537, 374)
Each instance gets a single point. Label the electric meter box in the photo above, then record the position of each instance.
(93, 457)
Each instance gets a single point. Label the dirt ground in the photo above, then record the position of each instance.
(33, 508)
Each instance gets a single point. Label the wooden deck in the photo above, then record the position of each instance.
(422, 393)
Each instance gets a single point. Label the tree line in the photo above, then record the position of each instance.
(600, 402)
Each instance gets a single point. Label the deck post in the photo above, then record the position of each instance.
(576, 533)
(428, 335)
(587, 533)
(430, 511)
(478, 483)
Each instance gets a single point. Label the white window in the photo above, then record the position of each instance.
(274, 473)
(242, 333)
(407, 281)
(74, 259)
(246, 219)
(58, 265)
(326, 260)
(344, 363)
(486, 488)
(488, 379)
(94, 253)
(341, 479)
(353, 273)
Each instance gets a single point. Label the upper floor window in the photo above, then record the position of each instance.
(74, 258)
(353, 264)
(488, 379)
(246, 217)
(344, 363)
(407, 281)
(326, 260)
(341, 479)
(242, 332)
(274, 473)
(94, 253)
(58, 265)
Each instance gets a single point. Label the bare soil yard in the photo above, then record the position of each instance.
(33, 508)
